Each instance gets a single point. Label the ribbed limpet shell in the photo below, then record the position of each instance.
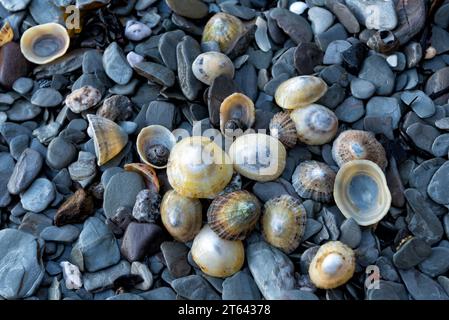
(283, 128)
(358, 145)
(361, 192)
(315, 124)
(234, 215)
(284, 222)
(300, 91)
(198, 168)
(181, 216)
(314, 180)
(332, 266)
(215, 256)
(44, 43)
(258, 156)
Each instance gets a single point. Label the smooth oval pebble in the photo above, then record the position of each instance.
(38, 196)
(46, 98)
(22, 110)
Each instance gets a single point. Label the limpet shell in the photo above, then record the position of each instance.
(358, 145)
(148, 174)
(300, 91)
(215, 256)
(258, 156)
(236, 112)
(181, 216)
(154, 144)
(332, 266)
(361, 192)
(210, 65)
(198, 168)
(284, 222)
(234, 215)
(315, 124)
(109, 138)
(224, 29)
(6, 34)
(44, 43)
(283, 128)
(314, 180)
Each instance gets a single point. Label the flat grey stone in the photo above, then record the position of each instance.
(437, 263)
(350, 110)
(167, 47)
(412, 253)
(375, 14)
(22, 110)
(21, 264)
(156, 73)
(423, 135)
(334, 50)
(161, 113)
(115, 64)
(175, 255)
(240, 286)
(60, 153)
(6, 169)
(65, 234)
(38, 196)
(362, 89)
(422, 287)
(194, 287)
(440, 146)
(350, 233)
(383, 107)
(46, 98)
(186, 52)
(376, 70)
(101, 280)
(336, 32)
(423, 173)
(388, 290)
(321, 19)
(420, 103)
(162, 293)
(437, 188)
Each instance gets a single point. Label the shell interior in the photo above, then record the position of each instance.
(239, 108)
(44, 43)
(361, 192)
(152, 136)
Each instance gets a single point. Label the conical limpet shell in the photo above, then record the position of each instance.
(154, 144)
(314, 180)
(181, 216)
(210, 65)
(6, 34)
(234, 215)
(358, 145)
(283, 128)
(361, 192)
(284, 222)
(332, 266)
(215, 256)
(258, 156)
(315, 124)
(109, 138)
(236, 112)
(198, 168)
(44, 43)
(300, 91)
(224, 29)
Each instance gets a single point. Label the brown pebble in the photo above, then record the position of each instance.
(75, 209)
(13, 64)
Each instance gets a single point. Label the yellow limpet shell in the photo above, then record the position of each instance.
(258, 156)
(6, 34)
(109, 138)
(284, 222)
(332, 266)
(44, 43)
(361, 192)
(300, 91)
(234, 215)
(181, 216)
(151, 136)
(198, 168)
(224, 29)
(215, 256)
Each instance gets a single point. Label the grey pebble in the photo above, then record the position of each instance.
(423, 135)
(411, 253)
(384, 106)
(46, 98)
(115, 64)
(194, 287)
(101, 280)
(420, 103)
(350, 233)
(422, 287)
(240, 286)
(437, 263)
(22, 110)
(60, 153)
(362, 89)
(350, 110)
(376, 70)
(440, 146)
(38, 196)
(65, 234)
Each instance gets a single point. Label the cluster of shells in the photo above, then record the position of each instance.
(358, 188)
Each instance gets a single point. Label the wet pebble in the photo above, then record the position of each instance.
(294, 25)
(104, 279)
(65, 234)
(240, 286)
(38, 196)
(23, 110)
(6, 169)
(362, 89)
(350, 233)
(140, 240)
(25, 171)
(376, 70)
(437, 263)
(412, 253)
(46, 98)
(156, 73)
(422, 287)
(423, 135)
(115, 64)
(350, 110)
(60, 153)
(420, 103)
(194, 287)
(142, 270)
(436, 188)
(320, 18)
(175, 255)
(440, 146)
(384, 106)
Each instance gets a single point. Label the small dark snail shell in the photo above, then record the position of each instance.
(314, 180)
(234, 215)
(283, 128)
(284, 222)
(383, 41)
(236, 112)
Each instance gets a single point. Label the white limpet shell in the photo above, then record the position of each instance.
(210, 65)
(258, 156)
(300, 91)
(315, 124)
(361, 192)
(215, 256)
(44, 43)
(198, 168)
(72, 275)
(332, 266)
(154, 135)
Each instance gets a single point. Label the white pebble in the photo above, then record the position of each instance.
(72, 276)
(142, 270)
(133, 58)
(298, 7)
(392, 60)
(136, 31)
